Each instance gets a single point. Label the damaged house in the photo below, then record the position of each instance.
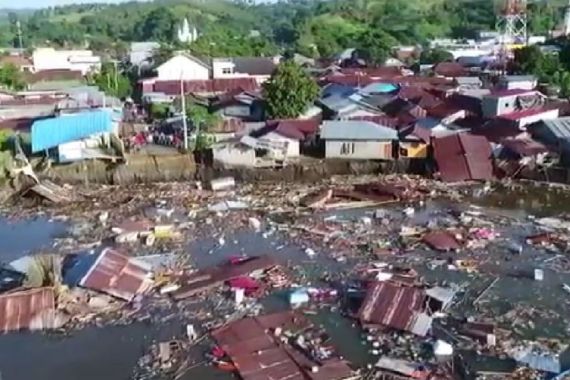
(358, 139)
(79, 136)
(404, 308)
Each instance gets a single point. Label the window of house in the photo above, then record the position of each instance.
(347, 149)
(227, 70)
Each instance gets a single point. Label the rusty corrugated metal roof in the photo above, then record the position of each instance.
(400, 308)
(118, 275)
(31, 309)
(208, 278)
(463, 157)
(259, 355)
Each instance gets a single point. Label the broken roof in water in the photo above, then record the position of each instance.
(31, 309)
(401, 308)
(260, 354)
(118, 275)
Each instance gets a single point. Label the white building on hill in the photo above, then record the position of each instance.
(75, 60)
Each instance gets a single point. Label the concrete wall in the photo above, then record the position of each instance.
(359, 150)
(182, 68)
(293, 150)
(77, 60)
(234, 156)
(493, 106)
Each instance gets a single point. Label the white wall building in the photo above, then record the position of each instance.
(358, 140)
(260, 68)
(183, 67)
(76, 60)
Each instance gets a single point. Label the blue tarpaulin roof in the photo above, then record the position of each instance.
(49, 133)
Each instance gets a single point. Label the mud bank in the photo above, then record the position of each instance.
(146, 169)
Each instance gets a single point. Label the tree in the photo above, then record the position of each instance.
(112, 82)
(375, 45)
(289, 91)
(433, 56)
(531, 60)
(565, 85)
(159, 25)
(202, 120)
(162, 54)
(11, 77)
(528, 58)
(200, 117)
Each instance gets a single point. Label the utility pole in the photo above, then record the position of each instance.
(184, 122)
(19, 31)
(566, 28)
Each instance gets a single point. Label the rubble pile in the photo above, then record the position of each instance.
(435, 286)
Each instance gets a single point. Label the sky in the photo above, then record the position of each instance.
(48, 3)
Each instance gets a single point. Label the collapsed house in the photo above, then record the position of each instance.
(281, 346)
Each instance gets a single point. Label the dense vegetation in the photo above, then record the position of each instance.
(318, 28)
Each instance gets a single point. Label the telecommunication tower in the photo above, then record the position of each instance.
(512, 22)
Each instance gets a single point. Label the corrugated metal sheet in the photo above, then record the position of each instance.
(397, 307)
(215, 276)
(560, 127)
(463, 157)
(257, 355)
(32, 309)
(356, 130)
(49, 133)
(206, 86)
(118, 275)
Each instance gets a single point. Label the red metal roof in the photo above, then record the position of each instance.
(259, 355)
(54, 75)
(512, 92)
(524, 147)
(441, 241)
(297, 129)
(384, 72)
(450, 69)
(463, 157)
(496, 130)
(349, 80)
(207, 86)
(118, 275)
(17, 124)
(517, 115)
(15, 60)
(392, 306)
(31, 309)
(385, 120)
(215, 276)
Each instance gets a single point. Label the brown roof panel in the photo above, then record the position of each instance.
(259, 355)
(441, 241)
(31, 309)
(463, 157)
(207, 86)
(392, 306)
(208, 278)
(118, 275)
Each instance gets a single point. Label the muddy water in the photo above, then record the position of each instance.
(112, 352)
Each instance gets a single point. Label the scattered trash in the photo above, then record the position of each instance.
(222, 184)
(255, 223)
(441, 348)
(298, 298)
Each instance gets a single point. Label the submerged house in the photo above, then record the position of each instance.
(78, 136)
